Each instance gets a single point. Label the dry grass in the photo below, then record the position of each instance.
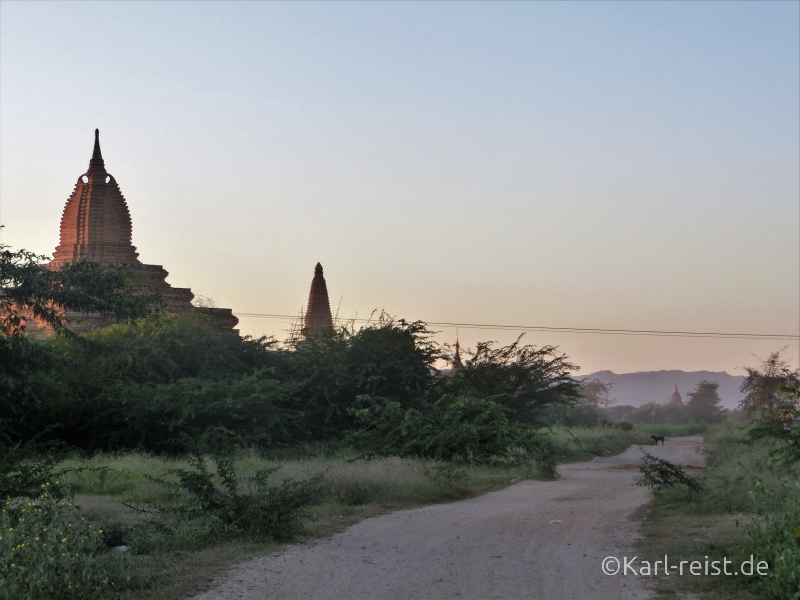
(185, 560)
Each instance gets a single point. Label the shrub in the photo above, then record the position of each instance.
(260, 509)
(47, 550)
(461, 429)
(388, 358)
(22, 476)
(525, 379)
(658, 474)
(162, 417)
(775, 537)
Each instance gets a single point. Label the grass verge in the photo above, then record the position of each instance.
(170, 556)
(168, 559)
(748, 507)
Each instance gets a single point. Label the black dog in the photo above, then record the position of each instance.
(658, 438)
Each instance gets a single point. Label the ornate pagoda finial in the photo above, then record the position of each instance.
(96, 164)
(457, 364)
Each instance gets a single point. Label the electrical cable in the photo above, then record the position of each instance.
(584, 330)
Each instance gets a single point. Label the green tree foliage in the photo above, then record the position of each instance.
(525, 379)
(588, 409)
(24, 473)
(24, 382)
(764, 387)
(28, 288)
(782, 426)
(704, 404)
(152, 383)
(387, 358)
(460, 429)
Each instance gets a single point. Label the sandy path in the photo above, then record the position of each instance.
(499, 545)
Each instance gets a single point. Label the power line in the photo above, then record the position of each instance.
(585, 330)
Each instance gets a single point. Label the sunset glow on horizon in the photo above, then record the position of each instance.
(617, 166)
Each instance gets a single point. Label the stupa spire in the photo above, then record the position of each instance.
(318, 314)
(96, 227)
(96, 223)
(457, 364)
(96, 164)
(675, 399)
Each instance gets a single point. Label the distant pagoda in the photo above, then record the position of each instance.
(675, 399)
(456, 364)
(318, 314)
(96, 227)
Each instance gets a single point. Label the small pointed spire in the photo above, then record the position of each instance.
(96, 163)
(457, 364)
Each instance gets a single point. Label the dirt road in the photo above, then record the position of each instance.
(539, 540)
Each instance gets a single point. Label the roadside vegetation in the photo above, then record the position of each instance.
(140, 459)
(747, 503)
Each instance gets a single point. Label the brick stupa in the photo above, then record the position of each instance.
(675, 399)
(96, 227)
(318, 314)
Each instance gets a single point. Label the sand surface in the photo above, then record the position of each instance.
(532, 540)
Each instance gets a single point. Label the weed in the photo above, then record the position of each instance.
(48, 550)
(261, 510)
(658, 473)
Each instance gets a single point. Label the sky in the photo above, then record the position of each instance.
(631, 165)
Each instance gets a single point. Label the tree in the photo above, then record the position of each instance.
(588, 409)
(705, 405)
(764, 387)
(597, 393)
(650, 412)
(525, 379)
(386, 358)
(29, 290)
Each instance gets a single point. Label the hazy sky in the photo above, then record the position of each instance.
(614, 165)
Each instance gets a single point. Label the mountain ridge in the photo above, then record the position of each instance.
(642, 387)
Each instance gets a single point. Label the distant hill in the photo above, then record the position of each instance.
(657, 386)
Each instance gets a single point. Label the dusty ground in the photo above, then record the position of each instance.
(533, 540)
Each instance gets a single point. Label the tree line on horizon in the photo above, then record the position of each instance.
(160, 383)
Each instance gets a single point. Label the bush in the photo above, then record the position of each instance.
(460, 429)
(260, 509)
(658, 474)
(388, 358)
(160, 418)
(525, 379)
(23, 475)
(47, 550)
(775, 537)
